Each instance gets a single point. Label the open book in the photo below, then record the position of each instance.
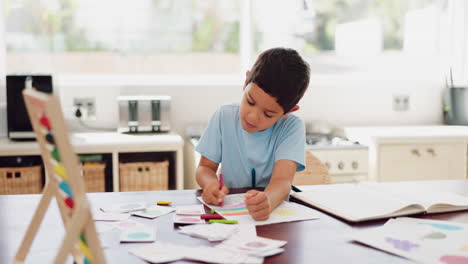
(369, 201)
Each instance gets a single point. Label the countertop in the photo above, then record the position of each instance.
(101, 142)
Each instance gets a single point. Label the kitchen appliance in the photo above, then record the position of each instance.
(455, 106)
(19, 125)
(144, 114)
(347, 161)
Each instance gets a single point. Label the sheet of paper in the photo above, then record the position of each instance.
(124, 207)
(188, 219)
(256, 246)
(427, 241)
(165, 252)
(234, 209)
(141, 233)
(153, 211)
(159, 252)
(126, 224)
(220, 255)
(196, 209)
(103, 216)
(211, 232)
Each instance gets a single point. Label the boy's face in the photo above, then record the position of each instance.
(258, 110)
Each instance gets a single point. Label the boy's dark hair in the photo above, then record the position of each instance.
(283, 74)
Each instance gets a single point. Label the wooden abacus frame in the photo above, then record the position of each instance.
(63, 181)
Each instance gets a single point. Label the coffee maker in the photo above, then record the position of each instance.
(19, 125)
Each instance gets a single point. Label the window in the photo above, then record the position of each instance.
(221, 37)
(339, 36)
(123, 37)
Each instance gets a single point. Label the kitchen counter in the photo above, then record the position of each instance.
(365, 135)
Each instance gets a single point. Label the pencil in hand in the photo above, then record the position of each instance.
(221, 186)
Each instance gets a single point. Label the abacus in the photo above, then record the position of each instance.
(63, 181)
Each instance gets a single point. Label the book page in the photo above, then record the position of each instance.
(356, 203)
(433, 201)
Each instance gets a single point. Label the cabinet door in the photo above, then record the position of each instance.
(422, 161)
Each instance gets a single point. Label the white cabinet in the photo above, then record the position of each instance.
(411, 153)
(421, 161)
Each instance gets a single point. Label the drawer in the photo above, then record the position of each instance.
(422, 161)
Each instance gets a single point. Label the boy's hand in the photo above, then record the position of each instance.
(259, 205)
(212, 194)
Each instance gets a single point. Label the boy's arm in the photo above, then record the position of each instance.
(207, 179)
(206, 172)
(261, 204)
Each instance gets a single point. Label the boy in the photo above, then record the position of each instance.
(258, 143)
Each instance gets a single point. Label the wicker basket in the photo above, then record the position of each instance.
(21, 180)
(94, 176)
(144, 176)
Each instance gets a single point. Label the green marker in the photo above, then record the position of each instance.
(212, 211)
(223, 221)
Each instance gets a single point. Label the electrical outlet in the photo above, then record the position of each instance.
(87, 106)
(401, 102)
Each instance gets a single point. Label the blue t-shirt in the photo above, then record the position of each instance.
(225, 141)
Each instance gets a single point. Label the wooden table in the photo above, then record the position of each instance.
(315, 241)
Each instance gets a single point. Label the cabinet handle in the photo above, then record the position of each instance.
(340, 165)
(431, 151)
(416, 152)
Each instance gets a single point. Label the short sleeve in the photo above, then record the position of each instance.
(209, 145)
(292, 143)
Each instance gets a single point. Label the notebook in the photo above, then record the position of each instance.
(363, 202)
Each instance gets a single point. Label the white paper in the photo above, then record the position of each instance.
(234, 209)
(427, 241)
(188, 219)
(103, 216)
(165, 252)
(196, 209)
(126, 224)
(159, 252)
(124, 207)
(211, 232)
(256, 246)
(141, 233)
(153, 211)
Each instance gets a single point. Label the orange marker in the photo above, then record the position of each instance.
(163, 203)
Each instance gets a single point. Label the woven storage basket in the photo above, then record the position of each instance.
(144, 176)
(94, 176)
(21, 180)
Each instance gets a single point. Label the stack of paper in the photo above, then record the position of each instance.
(189, 214)
(219, 232)
(427, 241)
(164, 252)
(253, 246)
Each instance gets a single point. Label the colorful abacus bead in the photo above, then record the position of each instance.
(69, 202)
(45, 122)
(55, 154)
(60, 171)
